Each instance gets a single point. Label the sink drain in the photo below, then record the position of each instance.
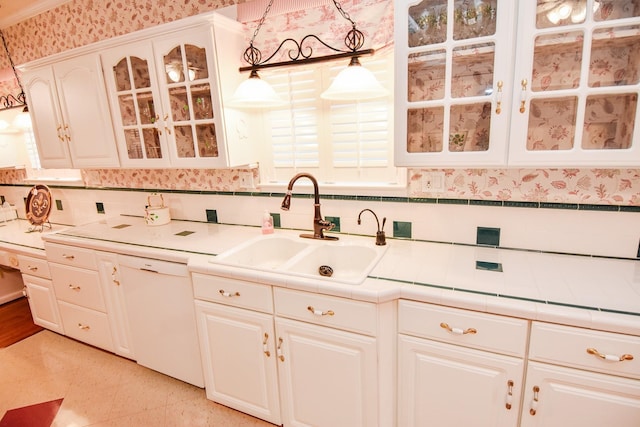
(325, 270)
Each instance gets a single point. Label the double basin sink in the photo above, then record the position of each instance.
(349, 260)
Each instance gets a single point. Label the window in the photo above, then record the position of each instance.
(342, 143)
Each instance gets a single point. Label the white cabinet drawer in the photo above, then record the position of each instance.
(586, 349)
(86, 325)
(341, 313)
(484, 331)
(38, 267)
(71, 255)
(77, 286)
(233, 292)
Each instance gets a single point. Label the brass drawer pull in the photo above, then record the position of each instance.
(534, 402)
(74, 287)
(509, 394)
(83, 327)
(265, 348)
(320, 312)
(69, 257)
(279, 350)
(228, 294)
(610, 357)
(32, 268)
(458, 331)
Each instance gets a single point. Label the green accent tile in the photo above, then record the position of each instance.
(184, 233)
(243, 193)
(100, 207)
(335, 220)
(489, 266)
(488, 236)
(395, 199)
(607, 310)
(423, 200)
(212, 215)
(258, 194)
(2, 199)
(278, 195)
(629, 208)
(585, 307)
(226, 193)
(485, 202)
(59, 205)
(276, 220)
(453, 201)
(548, 205)
(601, 208)
(515, 204)
(365, 198)
(402, 229)
(301, 196)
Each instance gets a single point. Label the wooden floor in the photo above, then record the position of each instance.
(16, 322)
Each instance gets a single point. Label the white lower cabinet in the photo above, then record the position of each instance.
(39, 291)
(108, 270)
(79, 294)
(458, 368)
(322, 361)
(581, 377)
(463, 368)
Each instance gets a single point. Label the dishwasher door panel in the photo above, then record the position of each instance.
(161, 314)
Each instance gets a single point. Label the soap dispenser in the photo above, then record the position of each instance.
(267, 223)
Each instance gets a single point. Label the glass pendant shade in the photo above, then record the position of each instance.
(354, 83)
(255, 93)
(22, 120)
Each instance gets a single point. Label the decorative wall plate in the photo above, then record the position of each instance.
(38, 204)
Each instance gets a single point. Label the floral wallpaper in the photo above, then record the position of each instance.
(585, 186)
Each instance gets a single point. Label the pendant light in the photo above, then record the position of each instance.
(353, 83)
(11, 101)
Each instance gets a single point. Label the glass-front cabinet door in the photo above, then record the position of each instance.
(453, 81)
(135, 105)
(191, 102)
(576, 83)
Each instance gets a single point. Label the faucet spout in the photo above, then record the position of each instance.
(319, 224)
(380, 237)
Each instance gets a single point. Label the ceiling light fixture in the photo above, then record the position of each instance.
(353, 83)
(11, 101)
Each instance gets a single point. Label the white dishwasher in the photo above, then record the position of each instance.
(159, 304)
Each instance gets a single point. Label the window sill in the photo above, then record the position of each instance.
(69, 182)
(345, 189)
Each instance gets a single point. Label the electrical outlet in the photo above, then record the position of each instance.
(246, 179)
(433, 182)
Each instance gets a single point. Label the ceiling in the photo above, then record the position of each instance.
(14, 11)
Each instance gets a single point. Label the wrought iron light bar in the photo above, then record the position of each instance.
(301, 52)
(11, 101)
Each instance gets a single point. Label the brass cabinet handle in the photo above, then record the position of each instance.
(74, 287)
(114, 278)
(83, 327)
(32, 268)
(509, 394)
(69, 257)
(523, 94)
(60, 136)
(279, 350)
(610, 357)
(458, 331)
(320, 312)
(265, 348)
(228, 294)
(534, 402)
(499, 97)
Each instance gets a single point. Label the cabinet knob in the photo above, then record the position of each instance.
(610, 357)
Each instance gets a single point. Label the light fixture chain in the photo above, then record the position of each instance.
(343, 12)
(264, 16)
(13, 66)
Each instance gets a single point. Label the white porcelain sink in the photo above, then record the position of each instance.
(350, 263)
(351, 259)
(265, 253)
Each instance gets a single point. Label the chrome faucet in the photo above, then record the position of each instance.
(319, 224)
(380, 238)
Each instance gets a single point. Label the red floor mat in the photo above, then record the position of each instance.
(38, 415)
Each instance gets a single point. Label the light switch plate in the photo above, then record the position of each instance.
(433, 182)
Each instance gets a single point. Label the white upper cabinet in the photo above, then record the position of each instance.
(565, 94)
(166, 96)
(453, 81)
(70, 114)
(576, 84)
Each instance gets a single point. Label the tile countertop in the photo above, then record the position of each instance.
(598, 293)
(16, 237)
